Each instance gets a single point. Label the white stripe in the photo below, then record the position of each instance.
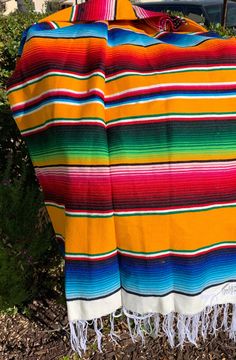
(101, 102)
(176, 252)
(73, 13)
(51, 203)
(127, 92)
(183, 304)
(173, 210)
(137, 212)
(55, 73)
(45, 126)
(138, 169)
(173, 117)
(84, 213)
(177, 70)
(40, 107)
(171, 97)
(107, 97)
(127, 121)
(57, 91)
(60, 236)
(113, 77)
(54, 25)
(68, 256)
(154, 255)
(176, 85)
(110, 10)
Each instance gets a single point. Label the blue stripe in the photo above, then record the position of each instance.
(98, 30)
(91, 279)
(149, 277)
(117, 37)
(122, 37)
(187, 275)
(154, 96)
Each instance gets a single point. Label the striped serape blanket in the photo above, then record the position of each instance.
(130, 120)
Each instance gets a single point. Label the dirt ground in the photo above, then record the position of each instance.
(43, 334)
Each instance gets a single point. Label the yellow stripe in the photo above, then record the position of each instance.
(185, 231)
(58, 219)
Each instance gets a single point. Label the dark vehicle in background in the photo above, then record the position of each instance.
(201, 11)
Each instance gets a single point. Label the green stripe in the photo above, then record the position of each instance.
(168, 72)
(136, 141)
(131, 118)
(51, 75)
(179, 211)
(54, 205)
(91, 255)
(63, 119)
(56, 25)
(159, 116)
(119, 77)
(154, 252)
(72, 13)
(90, 216)
(102, 156)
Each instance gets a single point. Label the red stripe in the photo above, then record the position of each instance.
(160, 256)
(58, 93)
(179, 255)
(90, 259)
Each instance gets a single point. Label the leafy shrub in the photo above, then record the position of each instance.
(225, 32)
(30, 262)
(11, 29)
(28, 251)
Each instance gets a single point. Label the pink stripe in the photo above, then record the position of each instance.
(205, 168)
(139, 185)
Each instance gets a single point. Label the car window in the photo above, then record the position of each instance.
(214, 13)
(194, 12)
(161, 7)
(231, 15)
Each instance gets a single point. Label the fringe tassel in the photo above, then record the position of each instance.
(178, 328)
(232, 330)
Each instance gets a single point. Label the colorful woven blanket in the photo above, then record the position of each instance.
(130, 120)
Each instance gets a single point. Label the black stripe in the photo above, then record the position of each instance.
(138, 164)
(137, 205)
(66, 38)
(95, 298)
(178, 292)
(115, 14)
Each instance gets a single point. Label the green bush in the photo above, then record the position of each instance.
(11, 29)
(28, 251)
(30, 261)
(225, 32)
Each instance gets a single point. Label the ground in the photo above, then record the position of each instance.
(42, 333)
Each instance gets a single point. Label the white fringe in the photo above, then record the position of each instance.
(178, 328)
(232, 329)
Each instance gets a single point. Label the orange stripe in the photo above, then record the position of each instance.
(123, 83)
(97, 110)
(185, 231)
